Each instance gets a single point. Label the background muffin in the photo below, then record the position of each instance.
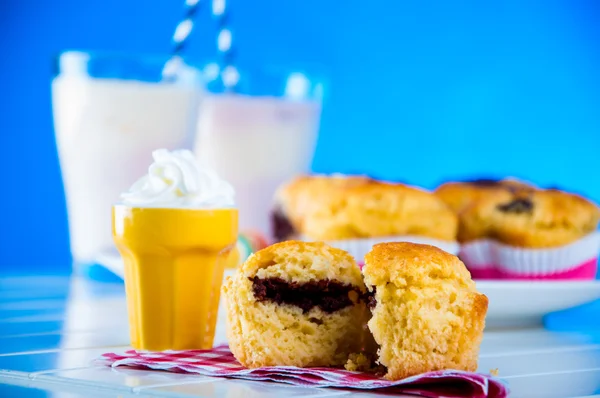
(541, 234)
(427, 314)
(353, 213)
(460, 195)
(296, 304)
(532, 219)
(334, 208)
(303, 196)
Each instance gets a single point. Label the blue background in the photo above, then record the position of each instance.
(419, 91)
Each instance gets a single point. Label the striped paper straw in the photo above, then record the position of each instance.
(225, 50)
(181, 37)
(184, 28)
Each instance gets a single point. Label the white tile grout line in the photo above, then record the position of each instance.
(60, 303)
(12, 336)
(590, 347)
(338, 393)
(510, 335)
(59, 332)
(495, 332)
(34, 305)
(15, 374)
(174, 383)
(53, 389)
(317, 390)
(54, 317)
(341, 393)
(221, 379)
(52, 350)
(34, 375)
(560, 372)
(148, 389)
(74, 382)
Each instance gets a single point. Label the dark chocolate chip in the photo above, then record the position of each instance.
(485, 182)
(518, 206)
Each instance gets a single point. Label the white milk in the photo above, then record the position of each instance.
(106, 130)
(256, 143)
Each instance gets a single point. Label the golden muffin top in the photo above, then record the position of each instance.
(296, 261)
(535, 219)
(460, 195)
(412, 264)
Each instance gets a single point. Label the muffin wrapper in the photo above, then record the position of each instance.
(488, 259)
(358, 248)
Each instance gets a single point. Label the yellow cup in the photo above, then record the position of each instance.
(174, 263)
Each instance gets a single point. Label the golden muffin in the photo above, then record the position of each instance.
(531, 219)
(426, 313)
(460, 195)
(296, 304)
(333, 208)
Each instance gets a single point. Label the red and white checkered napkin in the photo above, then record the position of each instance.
(220, 362)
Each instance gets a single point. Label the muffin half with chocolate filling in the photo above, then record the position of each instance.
(296, 304)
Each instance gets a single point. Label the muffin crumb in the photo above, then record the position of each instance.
(362, 362)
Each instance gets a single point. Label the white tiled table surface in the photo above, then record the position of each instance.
(51, 328)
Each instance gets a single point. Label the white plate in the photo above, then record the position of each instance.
(524, 303)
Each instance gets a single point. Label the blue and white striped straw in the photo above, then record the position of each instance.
(181, 37)
(184, 28)
(225, 50)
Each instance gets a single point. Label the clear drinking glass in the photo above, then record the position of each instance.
(110, 112)
(257, 129)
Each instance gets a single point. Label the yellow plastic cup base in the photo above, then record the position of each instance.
(174, 263)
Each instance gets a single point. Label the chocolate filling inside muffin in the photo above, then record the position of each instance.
(518, 206)
(329, 296)
(369, 298)
(281, 226)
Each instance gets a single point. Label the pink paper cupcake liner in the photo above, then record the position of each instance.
(488, 259)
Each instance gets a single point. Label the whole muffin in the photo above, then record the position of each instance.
(303, 196)
(427, 314)
(530, 219)
(296, 304)
(460, 195)
(348, 207)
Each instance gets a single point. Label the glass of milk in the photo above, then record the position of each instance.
(110, 112)
(257, 129)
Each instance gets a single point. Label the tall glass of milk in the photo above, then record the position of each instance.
(110, 113)
(257, 129)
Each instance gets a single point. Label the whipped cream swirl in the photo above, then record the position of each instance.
(177, 179)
